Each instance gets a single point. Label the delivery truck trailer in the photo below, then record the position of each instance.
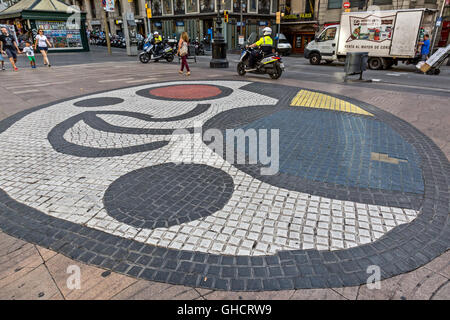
(388, 36)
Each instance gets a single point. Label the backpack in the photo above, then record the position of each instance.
(184, 49)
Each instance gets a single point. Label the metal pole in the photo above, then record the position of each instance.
(105, 21)
(241, 26)
(436, 28)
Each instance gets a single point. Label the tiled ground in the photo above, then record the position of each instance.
(284, 199)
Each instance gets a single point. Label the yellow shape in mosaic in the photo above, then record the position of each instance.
(311, 99)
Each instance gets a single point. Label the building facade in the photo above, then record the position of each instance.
(301, 19)
(197, 17)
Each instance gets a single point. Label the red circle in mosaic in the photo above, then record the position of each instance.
(187, 92)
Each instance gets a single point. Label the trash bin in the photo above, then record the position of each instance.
(356, 63)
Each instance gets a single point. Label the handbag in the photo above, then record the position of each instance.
(184, 49)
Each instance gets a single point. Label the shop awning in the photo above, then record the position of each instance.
(29, 9)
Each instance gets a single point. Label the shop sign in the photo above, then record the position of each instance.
(306, 15)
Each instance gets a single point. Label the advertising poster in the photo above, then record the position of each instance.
(59, 36)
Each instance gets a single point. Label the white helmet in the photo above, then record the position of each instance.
(267, 31)
(156, 33)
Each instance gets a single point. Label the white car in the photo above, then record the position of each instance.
(283, 47)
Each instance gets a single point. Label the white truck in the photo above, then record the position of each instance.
(388, 36)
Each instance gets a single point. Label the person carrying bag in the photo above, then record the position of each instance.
(183, 52)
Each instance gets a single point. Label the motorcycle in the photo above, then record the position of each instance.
(167, 52)
(199, 48)
(270, 64)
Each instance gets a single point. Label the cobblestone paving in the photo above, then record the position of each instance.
(59, 161)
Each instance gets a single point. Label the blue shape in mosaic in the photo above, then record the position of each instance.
(336, 147)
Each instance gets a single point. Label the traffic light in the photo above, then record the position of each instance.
(225, 15)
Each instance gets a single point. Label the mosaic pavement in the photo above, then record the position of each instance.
(93, 179)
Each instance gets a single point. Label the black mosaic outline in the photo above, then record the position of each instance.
(60, 144)
(146, 94)
(203, 200)
(401, 250)
(93, 102)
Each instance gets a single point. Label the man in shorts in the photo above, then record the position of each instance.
(8, 46)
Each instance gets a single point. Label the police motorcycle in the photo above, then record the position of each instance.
(148, 53)
(270, 64)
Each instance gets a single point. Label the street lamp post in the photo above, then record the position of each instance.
(219, 50)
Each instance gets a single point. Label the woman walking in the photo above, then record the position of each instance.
(183, 52)
(42, 44)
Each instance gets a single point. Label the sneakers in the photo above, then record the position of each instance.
(49, 65)
(16, 69)
(188, 73)
(180, 72)
(3, 68)
(34, 67)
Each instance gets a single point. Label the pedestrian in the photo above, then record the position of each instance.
(183, 52)
(8, 46)
(425, 49)
(30, 54)
(2, 61)
(42, 44)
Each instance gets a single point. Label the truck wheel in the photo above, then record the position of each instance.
(375, 63)
(314, 58)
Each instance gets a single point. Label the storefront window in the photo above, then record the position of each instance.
(298, 42)
(156, 8)
(167, 6)
(191, 6)
(274, 6)
(207, 6)
(252, 6)
(179, 6)
(225, 4)
(264, 6)
(59, 36)
(237, 8)
(334, 4)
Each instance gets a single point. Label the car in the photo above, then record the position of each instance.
(283, 47)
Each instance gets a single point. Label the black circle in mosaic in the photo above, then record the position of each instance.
(168, 194)
(403, 249)
(98, 102)
(146, 93)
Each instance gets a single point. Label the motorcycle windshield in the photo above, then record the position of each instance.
(252, 38)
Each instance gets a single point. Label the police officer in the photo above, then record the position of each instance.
(157, 41)
(265, 43)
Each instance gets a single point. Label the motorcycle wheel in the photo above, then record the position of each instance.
(277, 73)
(144, 58)
(169, 58)
(241, 69)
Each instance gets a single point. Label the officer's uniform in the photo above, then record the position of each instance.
(158, 41)
(266, 44)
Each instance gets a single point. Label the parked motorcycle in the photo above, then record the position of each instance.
(270, 64)
(167, 52)
(199, 47)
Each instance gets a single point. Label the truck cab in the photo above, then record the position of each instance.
(324, 46)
